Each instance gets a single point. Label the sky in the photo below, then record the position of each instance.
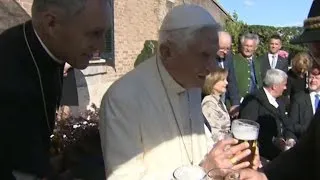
(269, 12)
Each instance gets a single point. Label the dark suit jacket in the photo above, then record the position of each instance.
(295, 83)
(24, 130)
(300, 114)
(282, 64)
(302, 161)
(232, 93)
(257, 107)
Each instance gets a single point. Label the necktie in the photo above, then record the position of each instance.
(252, 76)
(220, 62)
(274, 62)
(316, 102)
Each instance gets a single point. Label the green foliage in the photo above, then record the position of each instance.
(236, 28)
(149, 50)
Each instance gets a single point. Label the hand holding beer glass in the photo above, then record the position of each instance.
(246, 131)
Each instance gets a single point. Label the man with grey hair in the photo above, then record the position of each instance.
(31, 72)
(151, 121)
(303, 160)
(247, 66)
(266, 107)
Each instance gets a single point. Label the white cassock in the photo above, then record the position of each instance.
(139, 135)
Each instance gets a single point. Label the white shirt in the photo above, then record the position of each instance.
(270, 57)
(47, 50)
(313, 98)
(220, 62)
(271, 99)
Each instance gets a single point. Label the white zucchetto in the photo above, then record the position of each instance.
(187, 15)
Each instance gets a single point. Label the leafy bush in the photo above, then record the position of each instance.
(76, 149)
(149, 50)
(237, 28)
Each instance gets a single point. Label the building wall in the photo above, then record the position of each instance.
(134, 23)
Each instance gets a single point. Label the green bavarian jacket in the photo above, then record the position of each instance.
(242, 71)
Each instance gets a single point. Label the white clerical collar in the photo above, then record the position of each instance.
(47, 50)
(168, 80)
(271, 99)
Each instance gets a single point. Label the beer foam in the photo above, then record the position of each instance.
(245, 135)
(189, 173)
(244, 130)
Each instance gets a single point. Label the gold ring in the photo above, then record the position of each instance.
(233, 160)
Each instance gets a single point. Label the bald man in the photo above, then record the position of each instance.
(224, 60)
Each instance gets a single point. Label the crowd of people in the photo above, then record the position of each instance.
(153, 119)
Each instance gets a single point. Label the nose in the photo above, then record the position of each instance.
(226, 82)
(225, 51)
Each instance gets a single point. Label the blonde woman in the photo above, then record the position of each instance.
(213, 108)
(297, 75)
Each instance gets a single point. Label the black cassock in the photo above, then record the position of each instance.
(24, 130)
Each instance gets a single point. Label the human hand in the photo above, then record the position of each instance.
(279, 142)
(250, 174)
(290, 143)
(225, 155)
(256, 160)
(234, 111)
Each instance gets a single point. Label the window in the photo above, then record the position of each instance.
(108, 54)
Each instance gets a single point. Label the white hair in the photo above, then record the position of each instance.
(183, 37)
(250, 36)
(274, 77)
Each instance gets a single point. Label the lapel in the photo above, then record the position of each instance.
(257, 68)
(265, 102)
(266, 63)
(276, 112)
(307, 100)
(279, 62)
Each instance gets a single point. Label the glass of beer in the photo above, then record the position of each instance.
(189, 172)
(223, 174)
(246, 131)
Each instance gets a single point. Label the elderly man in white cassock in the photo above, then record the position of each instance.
(151, 119)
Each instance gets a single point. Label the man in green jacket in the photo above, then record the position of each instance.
(247, 66)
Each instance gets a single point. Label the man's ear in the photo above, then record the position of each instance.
(51, 21)
(165, 51)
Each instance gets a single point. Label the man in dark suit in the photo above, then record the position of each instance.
(224, 60)
(304, 105)
(303, 160)
(31, 72)
(272, 58)
(264, 107)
